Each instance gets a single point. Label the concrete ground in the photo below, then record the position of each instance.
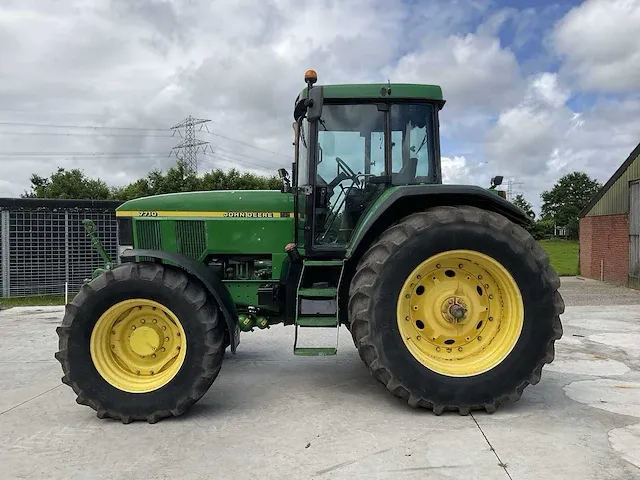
(271, 415)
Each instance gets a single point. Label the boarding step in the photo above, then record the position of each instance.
(315, 351)
(317, 321)
(318, 292)
(323, 263)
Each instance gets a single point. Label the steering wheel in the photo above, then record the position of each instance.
(348, 169)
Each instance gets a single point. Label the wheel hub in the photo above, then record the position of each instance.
(138, 345)
(460, 313)
(454, 310)
(144, 341)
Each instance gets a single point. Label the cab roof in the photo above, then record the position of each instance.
(380, 90)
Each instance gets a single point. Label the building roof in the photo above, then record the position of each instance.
(605, 188)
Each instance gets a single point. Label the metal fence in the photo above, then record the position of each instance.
(43, 245)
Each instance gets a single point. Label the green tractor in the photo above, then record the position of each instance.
(451, 304)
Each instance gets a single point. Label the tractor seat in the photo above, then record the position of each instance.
(407, 173)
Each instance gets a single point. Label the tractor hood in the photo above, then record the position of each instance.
(221, 203)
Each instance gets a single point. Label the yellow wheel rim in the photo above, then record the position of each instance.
(138, 345)
(460, 313)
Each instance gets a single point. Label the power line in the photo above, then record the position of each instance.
(100, 127)
(96, 127)
(81, 154)
(75, 134)
(248, 144)
(260, 166)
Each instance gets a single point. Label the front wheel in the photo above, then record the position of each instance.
(141, 342)
(455, 308)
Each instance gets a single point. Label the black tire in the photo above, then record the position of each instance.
(382, 271)
(168, 286)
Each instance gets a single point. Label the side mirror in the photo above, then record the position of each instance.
(496, 181)
(314, 104)
(284, 176)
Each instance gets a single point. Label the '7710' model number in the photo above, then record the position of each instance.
(147, 214)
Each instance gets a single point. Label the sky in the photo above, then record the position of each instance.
(535, 89)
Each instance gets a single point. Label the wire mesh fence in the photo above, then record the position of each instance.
(44, 248)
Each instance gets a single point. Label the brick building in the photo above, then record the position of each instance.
(610, 227)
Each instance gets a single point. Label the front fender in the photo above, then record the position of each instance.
(208, 278)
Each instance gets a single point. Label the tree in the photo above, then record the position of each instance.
(176, 179)
(67, 184)
(520, 201)
(567, 197)
(74, 184)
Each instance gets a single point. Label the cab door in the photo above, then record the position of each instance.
(302, 183)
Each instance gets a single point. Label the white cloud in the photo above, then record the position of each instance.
(600, 45)
(151, 63)
(473, 70)
(542, 138)
(455, 170)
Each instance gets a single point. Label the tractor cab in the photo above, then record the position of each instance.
(353, 143)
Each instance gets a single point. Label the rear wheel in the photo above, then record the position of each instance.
(455, 308)
(141, 342)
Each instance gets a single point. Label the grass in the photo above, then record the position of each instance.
(36, 301)
(563, 255)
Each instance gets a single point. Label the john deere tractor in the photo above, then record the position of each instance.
(450, 302)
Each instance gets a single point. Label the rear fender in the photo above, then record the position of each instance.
(402, 201)
(207, 277)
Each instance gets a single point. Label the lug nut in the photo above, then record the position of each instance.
(142, 321)
(491, 319)
(153, 356)
(490, 297)
(459, 265)
(419, 277)
(166, 339)
(163, 349)
(178, 334)
(133, 327)
(419, 337)
(155, 321)
(479, 277)
(479, 337)
(448, 350)
(459, 349)
(164, 327)
(437, 349)
(437, 265)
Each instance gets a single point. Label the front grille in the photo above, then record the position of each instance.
(149, 234)
(191, 237)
